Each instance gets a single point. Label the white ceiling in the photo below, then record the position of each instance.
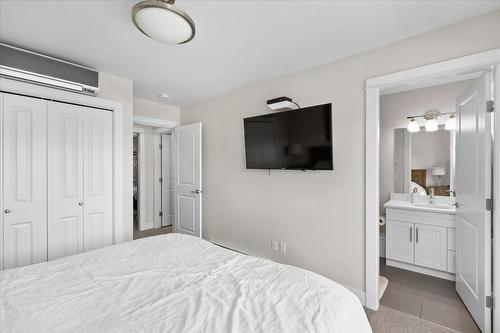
(237, 43)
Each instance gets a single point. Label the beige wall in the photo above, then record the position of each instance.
(150, 109)
(121, 90)
(395, 108)
(319, 214)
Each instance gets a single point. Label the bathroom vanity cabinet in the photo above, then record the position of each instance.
(421, 239)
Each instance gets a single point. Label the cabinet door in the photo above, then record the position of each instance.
(98, 178)
(399, 241)
(65, 179)
(430, 246)
(24, 181)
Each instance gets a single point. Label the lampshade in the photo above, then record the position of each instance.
(438, 171)
(450, 123)
(160, 20)
(431, 125)
(413, 126)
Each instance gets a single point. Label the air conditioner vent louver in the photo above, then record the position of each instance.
(24, 65)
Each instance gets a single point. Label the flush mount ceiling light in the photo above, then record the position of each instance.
(160, 20)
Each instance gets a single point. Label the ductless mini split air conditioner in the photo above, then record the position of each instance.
(24, 65)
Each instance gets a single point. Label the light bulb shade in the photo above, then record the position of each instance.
(450, 124)
(431, 125)
(413, 126)
(163, 22)
(438, 171)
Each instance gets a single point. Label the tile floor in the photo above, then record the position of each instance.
(426, 297)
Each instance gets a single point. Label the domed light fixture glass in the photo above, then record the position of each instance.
(450, 123)
(431, 125)
(160, 20)
(413, 126)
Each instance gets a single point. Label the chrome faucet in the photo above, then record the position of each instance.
(431, 196)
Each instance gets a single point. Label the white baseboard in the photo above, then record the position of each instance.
(359, 293)
(421, 270)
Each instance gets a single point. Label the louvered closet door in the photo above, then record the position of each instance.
(65, 180)
(98, 178)
(24, 181)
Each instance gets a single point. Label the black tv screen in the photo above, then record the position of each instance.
(298, 139)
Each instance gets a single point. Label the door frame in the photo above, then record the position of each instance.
(38, 91)
(141, 174)
(157, 173)
(160, 126)
(489, 60)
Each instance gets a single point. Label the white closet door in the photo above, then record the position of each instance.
(98, 178)
(65, 179)
(24, 176)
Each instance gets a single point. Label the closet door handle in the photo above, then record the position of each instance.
(416, 236)
(80, 203)
(7, 211)
(411, 232)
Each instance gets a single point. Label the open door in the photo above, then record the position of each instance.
(474, 190)
(186, 156)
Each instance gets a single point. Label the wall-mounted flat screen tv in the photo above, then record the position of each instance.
(298, 139)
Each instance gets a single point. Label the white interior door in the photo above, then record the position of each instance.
(65, 179)
(166, 175)
(98, 178)
(186, 155)
(24, 181)
(473, 186)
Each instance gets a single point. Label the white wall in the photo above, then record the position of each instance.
(430, 149)
(150, 109)
(319, 214)
(394, 109)
(121, 90)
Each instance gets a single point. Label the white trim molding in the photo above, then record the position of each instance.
(416, 76)
(155, 122)
(29, 89)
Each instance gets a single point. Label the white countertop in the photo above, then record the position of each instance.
(421, 206)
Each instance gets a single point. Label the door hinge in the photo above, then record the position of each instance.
(490, 106)
(489, 204)
(489, 302)
(160, 180)
(161, 214)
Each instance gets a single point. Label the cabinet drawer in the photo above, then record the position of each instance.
(429, 218)
(451, 239)
(451, 262)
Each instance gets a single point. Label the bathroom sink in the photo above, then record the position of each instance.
(434, 206)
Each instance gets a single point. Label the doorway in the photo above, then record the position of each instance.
(464, 68)
(152, 182)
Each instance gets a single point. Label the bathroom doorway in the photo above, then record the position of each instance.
(472, 273)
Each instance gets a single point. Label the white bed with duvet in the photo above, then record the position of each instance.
(173, 283)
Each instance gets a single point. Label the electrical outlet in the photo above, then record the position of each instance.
(274, 245)
(283, 247)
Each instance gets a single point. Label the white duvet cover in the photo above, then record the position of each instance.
(173, 283)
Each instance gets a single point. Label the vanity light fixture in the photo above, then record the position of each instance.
(162, 21)
(413, 126)
(431, 124)
(450, 123)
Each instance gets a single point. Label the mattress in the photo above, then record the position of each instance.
(173, 283)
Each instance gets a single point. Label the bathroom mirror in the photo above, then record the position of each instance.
(424, 161)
